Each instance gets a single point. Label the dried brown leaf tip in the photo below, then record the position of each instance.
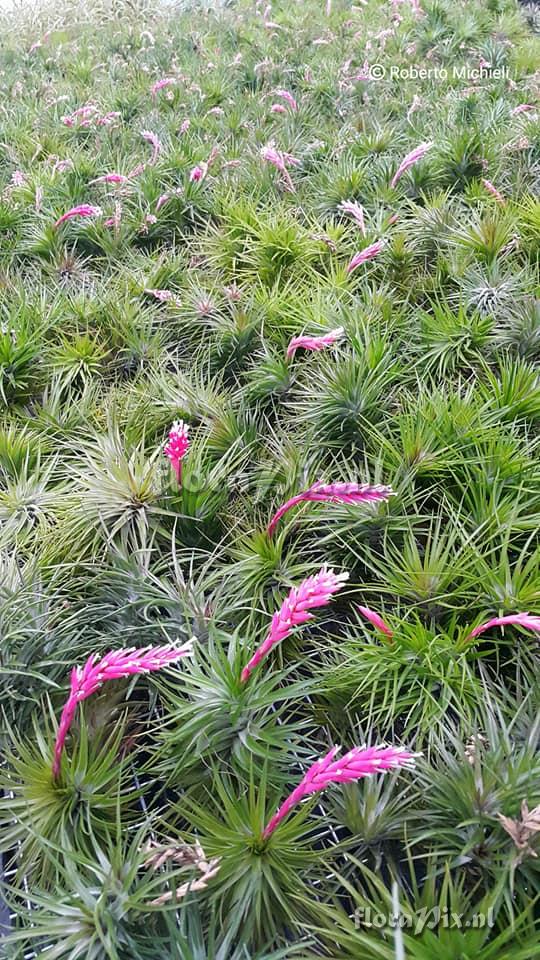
(184, 855)
(523, 830)
(473, 747)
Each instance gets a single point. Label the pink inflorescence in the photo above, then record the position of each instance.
(315, 591)
(357, 763)
(160, 84)
(529, 621)
(82, 210)
(289, 99)
(113, 177)
(118, 663)
(376, 620)
(339, 492)
(178, 443)
(368, 253)
(281, 161)
(487, 184)
(356, 211)
(314, 343)
(409, 161)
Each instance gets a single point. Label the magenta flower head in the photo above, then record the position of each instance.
(376, 620)
(487, 184)
(118, 663)
(82, 210)
(409, 161)
(198, 173)
(529, 621)
(357, 763)
(178, 444)
(347, 493)
(315, 591)
(356, 211)
(364, 255)
(314, 343)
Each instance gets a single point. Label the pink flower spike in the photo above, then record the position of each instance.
(154, 141)
(136, 172)
(164, 296)
(198, 173)
(18, 178)
(529, 621)
(522, 108)
(160, 84)
(315, 591)
(357, 763)
(289, 99)
(364, 255)
(280, 160)
(356, 211)
(278, 108)
(376, 620)
(111, 178)
(314, 343)
(115, 664)
(487, 184)
(347, 493)
(82, 210)
(178, 443)
(162, 200)
(185, 125)
(409, 161)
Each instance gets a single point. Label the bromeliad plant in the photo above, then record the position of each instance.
(113, 666)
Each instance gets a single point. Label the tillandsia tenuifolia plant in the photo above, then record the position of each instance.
(269, 343)
(96, 671)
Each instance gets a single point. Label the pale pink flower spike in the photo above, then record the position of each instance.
(289, 99)
(487, 184)
(280, 161)
(409, 161)
(315, 591)
(111, 178)
(314, 343)
(178, 443)
(339, 492)
(118, 663)
(160, 84)
(357, 763)
(356, 211)
(529, 621)
(365, 255)
(376, 620)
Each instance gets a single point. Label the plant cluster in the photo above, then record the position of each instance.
(269, 407)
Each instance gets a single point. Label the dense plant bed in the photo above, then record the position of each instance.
(269, 473)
